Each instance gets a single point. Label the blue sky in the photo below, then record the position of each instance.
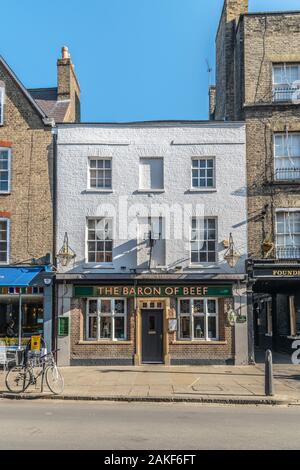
(135, 59)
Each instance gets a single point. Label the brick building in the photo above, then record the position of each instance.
(258, 80)
(27, 118)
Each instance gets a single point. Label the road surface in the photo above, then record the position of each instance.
(123, 426)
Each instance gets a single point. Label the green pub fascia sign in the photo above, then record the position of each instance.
(153, 291)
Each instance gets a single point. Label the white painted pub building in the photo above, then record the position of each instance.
(151, 243)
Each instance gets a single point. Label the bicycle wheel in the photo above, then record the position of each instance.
(17, 380)
(54, 380)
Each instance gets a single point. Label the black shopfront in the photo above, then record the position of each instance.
(275, 291)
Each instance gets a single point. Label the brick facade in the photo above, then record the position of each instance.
(122, 352)
(247, 46)
(30, 200)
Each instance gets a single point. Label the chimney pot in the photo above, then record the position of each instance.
(65, 53)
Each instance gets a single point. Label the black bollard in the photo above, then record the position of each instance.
(269, 387)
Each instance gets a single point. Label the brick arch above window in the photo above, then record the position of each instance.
(6, 143)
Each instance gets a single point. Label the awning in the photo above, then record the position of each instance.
(18, 277)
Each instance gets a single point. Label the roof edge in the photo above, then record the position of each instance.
(23, 88)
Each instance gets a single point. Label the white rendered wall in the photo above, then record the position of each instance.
(177, 144)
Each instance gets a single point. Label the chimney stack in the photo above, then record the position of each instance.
(68, 88)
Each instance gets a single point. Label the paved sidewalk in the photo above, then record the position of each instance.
(224, 384)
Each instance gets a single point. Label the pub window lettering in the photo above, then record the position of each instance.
(106, 319)
(198, 319)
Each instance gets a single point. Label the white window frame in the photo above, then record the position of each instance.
(192, 315)
(98, 263)
(8, 150)
(2, 104)
(97, 188)
(294, 158)
(284, 210)
(200, 263)
(111, 315)
(3, 219)
(206, 187)
(152, 190)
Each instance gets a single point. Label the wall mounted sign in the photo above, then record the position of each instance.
(153, 291)
(284, 272)
(21, 290)
(172, 325)
(63, 326)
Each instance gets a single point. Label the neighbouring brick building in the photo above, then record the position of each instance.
(258, 80)
(27, 118)
(147, 214)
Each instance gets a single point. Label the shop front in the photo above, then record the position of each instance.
(25, 304)
(276, 304)
(152, 322)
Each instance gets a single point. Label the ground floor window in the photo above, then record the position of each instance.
(106, 319)
(198, 319)
(32, 318)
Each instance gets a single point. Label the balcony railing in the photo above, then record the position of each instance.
(288, 252)
(286, 93)
(287, 174)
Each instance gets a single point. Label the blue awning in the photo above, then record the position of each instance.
(18, 277)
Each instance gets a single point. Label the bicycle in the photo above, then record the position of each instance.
(19, 378)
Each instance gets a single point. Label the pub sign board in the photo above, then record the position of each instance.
(278, 272)
(153, 291)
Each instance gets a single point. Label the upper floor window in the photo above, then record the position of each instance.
(287, 156)
(106, 319)
(288, 234)
(4, 241)
(100, 173)
(2, 96)
(151, 174)
(204, 240)
(203, 173)
(198, 319)
(100, 240)
(286, 82)
(5, 163)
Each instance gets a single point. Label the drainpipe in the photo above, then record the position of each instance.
(54, 231)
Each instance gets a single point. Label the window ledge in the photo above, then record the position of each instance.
(154, 191)
(98, 266)
(5, 193)
(202, 190)
(197, 342)
(204, 266)
(88, 191)
(286, 182)
(106, 342)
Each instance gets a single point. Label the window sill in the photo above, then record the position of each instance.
(202, 190)
(147, 191)
(204, 266)
(286, 182)
(108, 191)
(105, 341)
(98, 266)
(5, 193)
(198, 342)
